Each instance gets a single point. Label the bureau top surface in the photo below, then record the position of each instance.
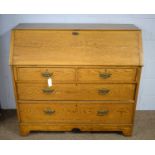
(75, 44)
(74, 26)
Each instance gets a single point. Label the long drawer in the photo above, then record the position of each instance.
(72, 113)
(37, 91)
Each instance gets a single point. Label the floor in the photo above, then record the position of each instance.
(144, 129)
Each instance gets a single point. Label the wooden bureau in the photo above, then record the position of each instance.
(95, 71)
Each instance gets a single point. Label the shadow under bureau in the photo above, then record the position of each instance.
(76, 76)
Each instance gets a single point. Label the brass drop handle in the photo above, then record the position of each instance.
(49, 111)
(105, 75)
(75, 33)
(48, 90)
(46, 74)
(103, 91)
(102, 112)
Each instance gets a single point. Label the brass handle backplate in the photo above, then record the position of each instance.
(49, 111)
(48, 90)
(103, 91)
(102, 112)
(46, 74)
(75, 33)
(105, 75)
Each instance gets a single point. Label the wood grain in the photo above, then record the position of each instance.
(11, 48)
(35, 74)
(88, 48)
(25, 128)
(28, 91)
(75, 26)
(80, 56)
(75, 113)
(94, 75)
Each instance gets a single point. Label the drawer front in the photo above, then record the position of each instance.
(104, 75)
(40, 74)
(27, 91)
(81, 112)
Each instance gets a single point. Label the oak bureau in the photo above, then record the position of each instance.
(76, 76)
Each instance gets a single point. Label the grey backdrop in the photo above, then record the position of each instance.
(146, 100)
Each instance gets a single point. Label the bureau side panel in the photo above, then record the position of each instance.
(138, 77)
(14, 74)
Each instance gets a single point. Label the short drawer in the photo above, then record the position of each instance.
(40, 74)
(77, 112)
(105, 75)
(32, 91)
